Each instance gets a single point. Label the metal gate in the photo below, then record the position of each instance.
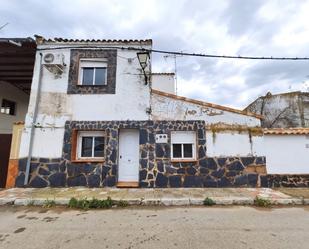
(5, 146)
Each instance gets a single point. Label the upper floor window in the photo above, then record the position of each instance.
(183, 145)
(8, 107)
(93, 72)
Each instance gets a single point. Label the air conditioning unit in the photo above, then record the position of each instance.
(54, 63)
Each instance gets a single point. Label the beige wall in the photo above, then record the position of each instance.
(10, 92)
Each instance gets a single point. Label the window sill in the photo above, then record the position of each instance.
(80, 85)
(88, 161)
(183, 160)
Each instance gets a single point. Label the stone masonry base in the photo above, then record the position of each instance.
(156, 170)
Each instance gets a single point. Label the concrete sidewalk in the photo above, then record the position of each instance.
(166, 196)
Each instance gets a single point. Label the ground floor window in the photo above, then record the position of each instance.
(90, 145)
(183, 145)
(8, 107)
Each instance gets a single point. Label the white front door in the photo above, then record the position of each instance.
(128, 155)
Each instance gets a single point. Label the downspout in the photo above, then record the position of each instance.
(35, 114)
(150, 89)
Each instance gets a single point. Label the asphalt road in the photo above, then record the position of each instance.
(181, 227)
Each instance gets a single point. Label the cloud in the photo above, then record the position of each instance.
(236, 27)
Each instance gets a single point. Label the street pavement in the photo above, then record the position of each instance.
(154, 227)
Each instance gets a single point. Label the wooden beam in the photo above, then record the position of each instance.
(16, 68)
(13, 60)
(16, 63)
(15, 73)
(16, 78)
(17, 54)
(25, 82)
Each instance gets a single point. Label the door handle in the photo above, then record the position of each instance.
(120, 157)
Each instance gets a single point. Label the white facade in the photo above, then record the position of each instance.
(169, 108)
(287, 154)
(164, 82)
(12, 93)
(224, 144)
(133, 100)
(221, 144)
(130, 101)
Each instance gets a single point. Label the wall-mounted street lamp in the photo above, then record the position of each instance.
(143, 58)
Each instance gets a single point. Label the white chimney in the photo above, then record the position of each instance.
(164, 82)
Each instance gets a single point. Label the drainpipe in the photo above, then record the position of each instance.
(35, 114)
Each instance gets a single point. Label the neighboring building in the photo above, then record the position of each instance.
(99, 117)
(286, 135)
(16, 70)
(285, 110)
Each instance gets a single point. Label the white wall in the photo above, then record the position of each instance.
(164, 82)
(130, 102)
(230, 143)
(287, 154)
(12, 93)
(47, 143)
(166, 108)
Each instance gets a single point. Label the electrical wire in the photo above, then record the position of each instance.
(228, 56)
(127, 58)
(180, 53)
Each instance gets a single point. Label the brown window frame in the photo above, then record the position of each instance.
(74, 149)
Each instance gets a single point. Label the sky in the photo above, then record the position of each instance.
(223, 27)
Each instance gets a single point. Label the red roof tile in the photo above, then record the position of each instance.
(286, 131)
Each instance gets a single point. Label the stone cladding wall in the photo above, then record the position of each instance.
(155, 166)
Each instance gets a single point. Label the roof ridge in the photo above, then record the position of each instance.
(40, 39)
(163, 73)
(199, 102)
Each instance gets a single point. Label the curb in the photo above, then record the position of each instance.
(7, 201)
(223, 201)
(291, 201)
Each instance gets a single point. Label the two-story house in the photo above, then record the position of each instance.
(95, 120)
(99, 117)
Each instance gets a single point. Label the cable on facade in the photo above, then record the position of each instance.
(181, 53)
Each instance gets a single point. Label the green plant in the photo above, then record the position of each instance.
(209, 202)
(49, 203)
(108, 203)
(30, 203)
(91, 204)
(122, 203)
(73, 203)
(261, 202)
